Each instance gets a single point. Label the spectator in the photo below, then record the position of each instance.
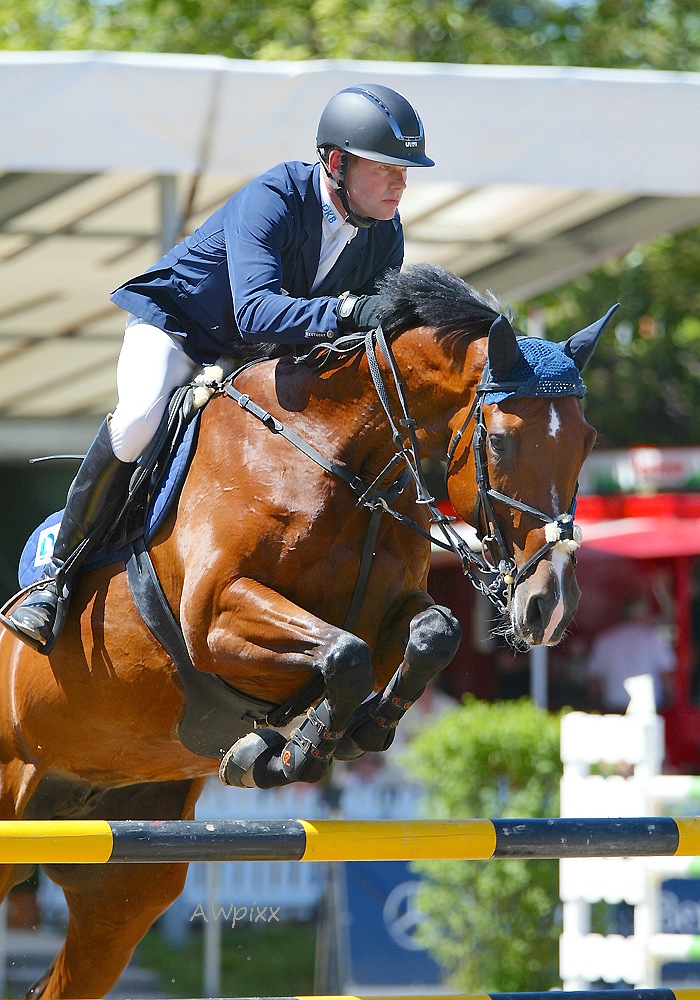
(632, 647)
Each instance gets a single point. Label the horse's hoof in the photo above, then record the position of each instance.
(236, 767)
(370, 737)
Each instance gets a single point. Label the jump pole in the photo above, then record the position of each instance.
(133, 841)
(647, 994)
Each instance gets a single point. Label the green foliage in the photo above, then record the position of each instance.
(493, 925)
(644, 377)
(658, 34)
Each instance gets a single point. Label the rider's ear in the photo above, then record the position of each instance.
(504, 352)
(334, 161)
(580, 347)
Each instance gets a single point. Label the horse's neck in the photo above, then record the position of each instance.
(342, 407)
(440, 375)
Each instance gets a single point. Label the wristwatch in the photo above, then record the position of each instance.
(346, 304)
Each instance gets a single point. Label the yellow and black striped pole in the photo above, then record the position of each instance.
(102, 841)
(648, 994)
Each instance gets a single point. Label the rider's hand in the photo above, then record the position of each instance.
(358, 312)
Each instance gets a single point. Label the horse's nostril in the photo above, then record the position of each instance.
(535, 613)
(539, 615)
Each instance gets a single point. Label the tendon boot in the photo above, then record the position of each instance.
(373, 726)
(94, 497)
(309, 750)
(265, 759)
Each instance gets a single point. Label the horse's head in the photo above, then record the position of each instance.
(516, 479)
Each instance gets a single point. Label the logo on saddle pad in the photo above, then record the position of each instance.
(45, 543)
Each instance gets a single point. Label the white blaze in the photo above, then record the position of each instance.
(558, 563)
(554, 421)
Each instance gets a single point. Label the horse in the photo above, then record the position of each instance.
(298, 555)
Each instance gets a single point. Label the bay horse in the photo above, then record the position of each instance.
(274, 581)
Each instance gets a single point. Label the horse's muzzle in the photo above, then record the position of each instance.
(545, 602)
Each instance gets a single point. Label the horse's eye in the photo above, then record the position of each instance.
(499, 444)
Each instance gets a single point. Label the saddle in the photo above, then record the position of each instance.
(216, 714)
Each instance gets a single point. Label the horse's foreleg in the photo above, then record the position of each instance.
(266, 759)
(276, 641)
(347, 671)
(434, 635)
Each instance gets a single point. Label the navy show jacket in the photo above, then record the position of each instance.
(248, 270)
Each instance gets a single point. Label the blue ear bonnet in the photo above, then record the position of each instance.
(544, 369)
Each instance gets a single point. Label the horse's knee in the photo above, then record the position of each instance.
(349, 680)
(348, 673)
(266, 759)
(434, 638)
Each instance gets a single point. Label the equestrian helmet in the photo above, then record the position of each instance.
(375, 123)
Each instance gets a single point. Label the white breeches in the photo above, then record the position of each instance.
(151, 365)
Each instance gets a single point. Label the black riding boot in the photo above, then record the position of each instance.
(95, 495)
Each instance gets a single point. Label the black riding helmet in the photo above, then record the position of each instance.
(373, 122)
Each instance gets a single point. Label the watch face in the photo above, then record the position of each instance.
(346, 305)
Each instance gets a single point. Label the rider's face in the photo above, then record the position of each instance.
(374, 189)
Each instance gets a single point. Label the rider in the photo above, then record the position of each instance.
(305, 247)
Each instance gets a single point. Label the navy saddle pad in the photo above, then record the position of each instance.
(39, 548)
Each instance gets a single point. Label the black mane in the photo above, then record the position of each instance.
(428, 295)
(420, 295)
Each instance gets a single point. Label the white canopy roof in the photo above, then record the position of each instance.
(578, 128)
(541, 174)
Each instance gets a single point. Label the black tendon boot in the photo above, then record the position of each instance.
(389, 711)
(373, 726)
(95, 494)
(307, 755)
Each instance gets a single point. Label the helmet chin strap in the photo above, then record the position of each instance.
(359, 221)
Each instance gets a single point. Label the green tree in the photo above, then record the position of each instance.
(658, 34)
(644, 379)
(493, 925)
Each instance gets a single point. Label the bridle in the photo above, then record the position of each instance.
(560, 532)
(493, 558)
(489, 567)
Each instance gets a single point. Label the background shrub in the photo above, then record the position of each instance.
(494, 926)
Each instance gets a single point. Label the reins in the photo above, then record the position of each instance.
(475, 564)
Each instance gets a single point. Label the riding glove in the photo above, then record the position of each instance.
(358, 312)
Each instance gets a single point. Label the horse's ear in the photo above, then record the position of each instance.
(580, 347)
(504, 352)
